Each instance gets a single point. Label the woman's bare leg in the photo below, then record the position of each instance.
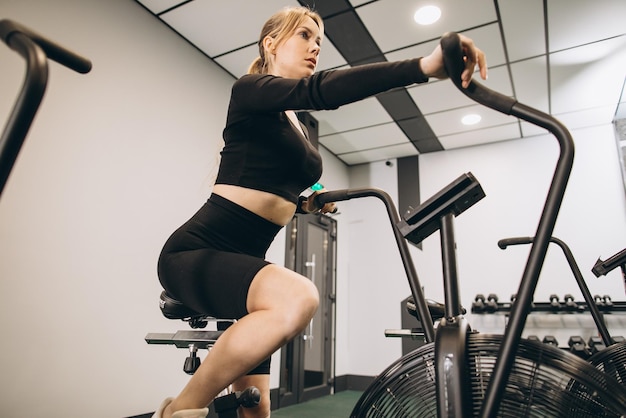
(280, 304)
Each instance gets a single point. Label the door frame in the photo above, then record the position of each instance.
(292, 388)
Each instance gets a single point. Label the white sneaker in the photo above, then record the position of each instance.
(185, 413)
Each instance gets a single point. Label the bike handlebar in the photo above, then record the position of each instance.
(454, 64)
(54, 51)
(35, 49)
(394, 218)
(503, 243)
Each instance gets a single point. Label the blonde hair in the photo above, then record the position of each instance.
(279, 27)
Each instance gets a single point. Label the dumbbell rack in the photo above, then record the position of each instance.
(491, 305)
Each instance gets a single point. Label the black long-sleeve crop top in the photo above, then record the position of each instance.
(264, 151)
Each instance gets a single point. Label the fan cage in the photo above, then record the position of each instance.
(544, 382)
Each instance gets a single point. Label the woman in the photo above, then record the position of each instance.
(215, 262)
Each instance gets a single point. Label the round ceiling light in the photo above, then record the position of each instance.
(471, 119)
(427, 15)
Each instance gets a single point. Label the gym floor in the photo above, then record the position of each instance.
(338, 405)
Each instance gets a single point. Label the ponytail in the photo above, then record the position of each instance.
(256, 67)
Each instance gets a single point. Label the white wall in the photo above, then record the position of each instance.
(115, 160)
(377, 281)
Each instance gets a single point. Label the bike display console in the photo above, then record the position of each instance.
(419, 223)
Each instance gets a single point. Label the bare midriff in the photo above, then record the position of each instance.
(269, 206)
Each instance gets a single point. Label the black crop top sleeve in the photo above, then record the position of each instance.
(325, 90)
(264, 151)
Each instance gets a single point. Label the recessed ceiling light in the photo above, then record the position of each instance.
(471, 119)
(427, 15)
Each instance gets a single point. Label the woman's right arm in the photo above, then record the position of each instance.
(325, 90)
(328, 90)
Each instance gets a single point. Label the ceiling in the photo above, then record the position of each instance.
(564, 57)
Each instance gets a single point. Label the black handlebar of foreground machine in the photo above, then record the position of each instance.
(35, 49)
(454, 63)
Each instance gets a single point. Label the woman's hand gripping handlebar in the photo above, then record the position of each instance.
(320, 201)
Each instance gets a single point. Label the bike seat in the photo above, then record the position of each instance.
(172, 308)
(437, 310)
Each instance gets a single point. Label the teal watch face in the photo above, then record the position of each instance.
(317, 186)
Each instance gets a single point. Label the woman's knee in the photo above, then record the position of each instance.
(277, 288)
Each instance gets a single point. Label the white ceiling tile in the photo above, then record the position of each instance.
(529, 129)
(448, 123)
(577, 22)
(352, 116)
(364, 139)
(329, 57)
(480, 137)
(588, 117)
(237, 62)
(217, 26)
(487, 38)
(531, 83)
(588, 85)
(523, 25)
(379, 154)
(415, 51)
(437, 96)
(392, 26)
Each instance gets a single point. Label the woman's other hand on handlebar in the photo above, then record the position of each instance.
(310, 205)
(432, 65)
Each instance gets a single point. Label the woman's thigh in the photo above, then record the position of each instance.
(211, 281)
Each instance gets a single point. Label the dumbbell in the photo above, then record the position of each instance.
(608, 303)
(577, 346)
(599, 302)
(618, 339)
(533, 338)
(570, 305)
(550, 339)
(478, 306)
(555, 305)
(595, 344)
(492, 303)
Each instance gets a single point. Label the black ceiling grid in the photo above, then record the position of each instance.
(346, 31)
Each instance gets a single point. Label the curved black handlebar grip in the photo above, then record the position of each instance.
(454, 65)
(53, 50)
(332, 196)
(503, 243)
